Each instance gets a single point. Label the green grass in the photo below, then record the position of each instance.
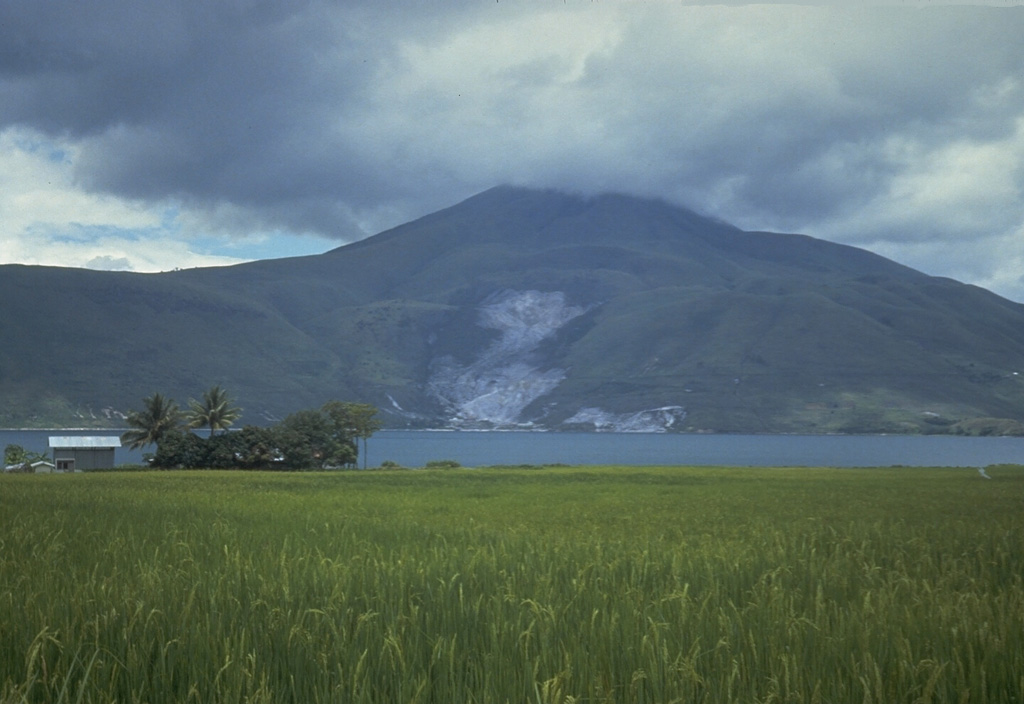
(542, 585)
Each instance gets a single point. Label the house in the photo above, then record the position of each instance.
(39, 467)
(71, 454)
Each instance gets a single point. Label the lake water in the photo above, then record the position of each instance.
(414, 449)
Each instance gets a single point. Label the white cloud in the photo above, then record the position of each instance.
(109, 263)
(951, 208)
(36, 188)
(46, 219)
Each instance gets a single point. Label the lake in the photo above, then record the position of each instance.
(416, 448)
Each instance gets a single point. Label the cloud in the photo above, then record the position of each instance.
(109, 263)
(947, 190)
(896, 127)
(35, 183)
(46, 219)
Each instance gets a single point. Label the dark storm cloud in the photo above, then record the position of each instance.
(877, 126)
(202, 101)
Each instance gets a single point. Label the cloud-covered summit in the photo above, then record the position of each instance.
(192, 132)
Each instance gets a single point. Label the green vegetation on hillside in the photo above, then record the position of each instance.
(747, 331)
(547, 585)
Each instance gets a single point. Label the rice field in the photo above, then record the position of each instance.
(563, 585)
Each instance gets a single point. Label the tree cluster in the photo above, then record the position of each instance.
(322, 438)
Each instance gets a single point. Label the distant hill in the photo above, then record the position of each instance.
(525, 308)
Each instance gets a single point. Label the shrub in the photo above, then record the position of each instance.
(442, 464)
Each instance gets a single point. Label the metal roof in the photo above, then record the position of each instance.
(94, 442)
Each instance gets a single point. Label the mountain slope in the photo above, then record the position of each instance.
(522, 308)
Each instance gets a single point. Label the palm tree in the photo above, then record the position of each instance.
(215, 412)
(149, 426)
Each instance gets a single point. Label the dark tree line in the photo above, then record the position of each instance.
(321, 438)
